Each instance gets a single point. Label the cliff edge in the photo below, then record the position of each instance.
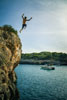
(10, 55)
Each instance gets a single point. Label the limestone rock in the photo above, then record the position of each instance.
(10, 55)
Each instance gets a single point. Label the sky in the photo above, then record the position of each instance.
(47, 31)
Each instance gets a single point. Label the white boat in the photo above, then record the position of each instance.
(46, 67)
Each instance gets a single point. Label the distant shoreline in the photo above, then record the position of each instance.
(43, 58)
(40, 62)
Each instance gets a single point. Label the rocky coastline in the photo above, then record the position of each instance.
(41, 62)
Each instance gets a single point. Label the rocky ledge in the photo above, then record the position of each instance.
(10, 55)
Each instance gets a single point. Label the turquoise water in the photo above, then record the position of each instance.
(34, 83)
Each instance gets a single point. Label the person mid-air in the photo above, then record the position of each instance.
(24, 25)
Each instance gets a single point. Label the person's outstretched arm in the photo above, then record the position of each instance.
(23, 15)
(29, 19)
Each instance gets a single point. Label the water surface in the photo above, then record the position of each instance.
(34, 83)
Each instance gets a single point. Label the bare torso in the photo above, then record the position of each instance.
(24, 21)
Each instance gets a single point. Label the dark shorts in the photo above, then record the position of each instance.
(24, 25)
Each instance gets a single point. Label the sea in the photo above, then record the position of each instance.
(34, 83)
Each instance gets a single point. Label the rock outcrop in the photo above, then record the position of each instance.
(10, 55)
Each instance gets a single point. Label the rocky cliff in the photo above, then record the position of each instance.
(10, 55)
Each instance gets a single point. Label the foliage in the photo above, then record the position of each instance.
(61, 57)
(9, 28)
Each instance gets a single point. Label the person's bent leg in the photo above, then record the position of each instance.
(21, 28)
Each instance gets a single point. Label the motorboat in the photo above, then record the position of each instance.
(46, 67)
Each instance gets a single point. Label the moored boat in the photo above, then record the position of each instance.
(46, 67)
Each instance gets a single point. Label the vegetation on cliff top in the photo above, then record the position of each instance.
(8, 28)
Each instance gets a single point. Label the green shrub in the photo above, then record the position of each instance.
(9, 28)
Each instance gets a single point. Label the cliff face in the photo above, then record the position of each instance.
(10, 55)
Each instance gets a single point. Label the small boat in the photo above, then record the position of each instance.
(46, 67)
